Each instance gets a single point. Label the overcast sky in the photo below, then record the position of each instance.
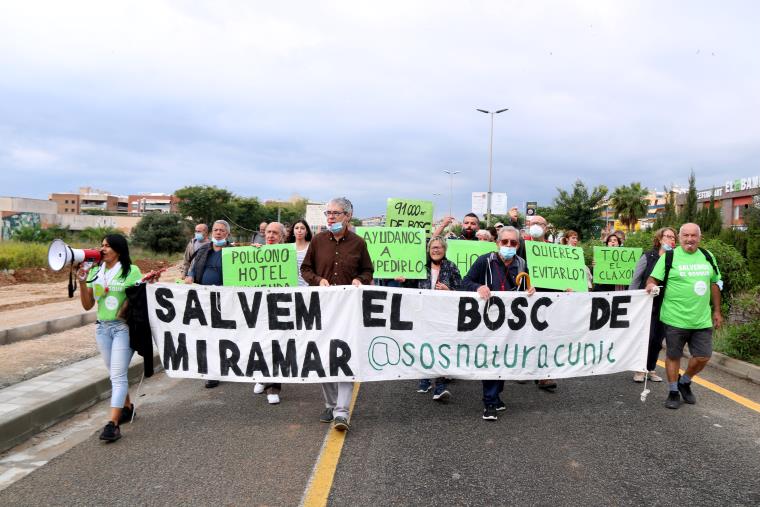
(376, 99)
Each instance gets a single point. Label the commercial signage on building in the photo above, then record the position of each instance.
(743, 184)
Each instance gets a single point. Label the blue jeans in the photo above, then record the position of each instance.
(491, 391)
(113, 343)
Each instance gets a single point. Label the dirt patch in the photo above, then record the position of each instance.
(46, 275)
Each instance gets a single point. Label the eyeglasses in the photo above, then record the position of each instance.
(509, 242)
(334, 213)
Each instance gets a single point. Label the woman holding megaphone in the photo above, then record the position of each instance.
(105, 285)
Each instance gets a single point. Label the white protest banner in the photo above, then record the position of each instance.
(327, 334)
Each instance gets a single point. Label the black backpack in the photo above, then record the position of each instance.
(669, 264)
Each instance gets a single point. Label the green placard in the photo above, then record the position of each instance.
(396, 251)
(409, 213)
(463, 252)
(265, 266)
(553, 266)
(614, 265)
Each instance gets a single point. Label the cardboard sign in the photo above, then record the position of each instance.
(463, 252)
(553, 266)
(266, 266)
(615, 265)
(410, 213)
(396, 251)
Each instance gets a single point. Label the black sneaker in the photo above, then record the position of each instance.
(489, 413)
(211, 384)
(111, 433)
(326, 416)
(686, 394)
(341, 424)
(500, 406)
(674, 400)
(126, 414)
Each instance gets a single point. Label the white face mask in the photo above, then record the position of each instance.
(536, 231)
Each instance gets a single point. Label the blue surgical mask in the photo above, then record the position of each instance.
(667, 247)
(198, 236)
(507, 251)
(336, 227)
(219, 242)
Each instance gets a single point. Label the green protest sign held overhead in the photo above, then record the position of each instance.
(553, 266)
(265, 266)
(463, 253)
(409, 213)
(396, 251)
(615, 265)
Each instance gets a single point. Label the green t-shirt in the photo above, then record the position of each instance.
(108, 288)
(687, 298)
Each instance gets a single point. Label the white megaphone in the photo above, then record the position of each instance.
(61, 255)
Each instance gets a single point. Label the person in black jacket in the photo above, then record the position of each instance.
(496, 271)
(206, 268)
(664, 240)
(442, 274)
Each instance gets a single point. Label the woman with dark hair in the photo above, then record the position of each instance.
(664, 240)
(300, 235)
(613, 240)
(105, 285)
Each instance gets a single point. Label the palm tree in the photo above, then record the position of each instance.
(629, 203)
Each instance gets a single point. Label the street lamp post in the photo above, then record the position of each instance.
(490, 164)
(451, 187)
(436, 195)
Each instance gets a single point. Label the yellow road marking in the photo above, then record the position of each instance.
(741, 400)
(324, 471)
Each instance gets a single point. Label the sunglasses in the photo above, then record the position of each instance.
(509, 242)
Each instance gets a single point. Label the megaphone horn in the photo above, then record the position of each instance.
(60, 255)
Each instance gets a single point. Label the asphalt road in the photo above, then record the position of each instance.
(591, 443)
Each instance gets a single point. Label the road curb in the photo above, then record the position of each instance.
(735, 367)
(37, 329)
(40, 406)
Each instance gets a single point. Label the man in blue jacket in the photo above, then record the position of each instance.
(498, 272)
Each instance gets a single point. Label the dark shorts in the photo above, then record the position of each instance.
(699, 340)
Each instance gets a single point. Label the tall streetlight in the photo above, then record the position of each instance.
(490, 164)
(451, 187)
(436, 195)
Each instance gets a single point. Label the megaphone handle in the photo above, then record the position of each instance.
(72, 283)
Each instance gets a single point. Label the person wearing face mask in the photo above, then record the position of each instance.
(470, 226)
(337, 256)
(200, 238)
(537, 232)
(206, 268)
(571, 239)
(496, 271)
(664, 241)
(442, 274)
(274, 234)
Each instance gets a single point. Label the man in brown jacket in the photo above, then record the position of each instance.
(199, 239)
(337, 256)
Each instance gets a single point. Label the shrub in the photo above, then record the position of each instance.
(736, 238)
(741, 342)
(162, 232)
(733, 269)
(588, 250)
(15, 255)
(96, 234)
(640, 239)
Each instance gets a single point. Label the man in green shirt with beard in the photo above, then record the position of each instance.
(692, 281)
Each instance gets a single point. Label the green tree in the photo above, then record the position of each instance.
(248, 214)
(668, 217)
(752, 219)
(162, 232)
(630, 204)
(96, 234)
(578, 209)
(689, 213)
(709, 219)
(205, 203)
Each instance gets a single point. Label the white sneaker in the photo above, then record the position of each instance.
(258, 388)
(639, 376)
(653, 377)
(273, 399)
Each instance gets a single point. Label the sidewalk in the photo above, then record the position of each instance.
(33, 405)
